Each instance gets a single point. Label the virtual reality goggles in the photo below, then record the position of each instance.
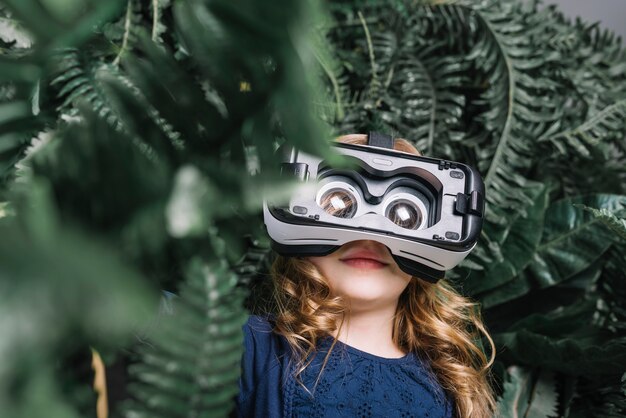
(427, 211)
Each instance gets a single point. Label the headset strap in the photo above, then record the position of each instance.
(376, 139)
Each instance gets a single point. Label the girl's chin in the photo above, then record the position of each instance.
(363, 296)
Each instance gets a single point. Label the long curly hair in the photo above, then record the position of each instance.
(431, 320)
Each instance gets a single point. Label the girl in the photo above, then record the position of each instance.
(353, 335)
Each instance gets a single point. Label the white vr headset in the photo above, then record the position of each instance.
(427, 211)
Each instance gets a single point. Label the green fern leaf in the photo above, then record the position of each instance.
(140, 119)
(576, 355)
(594, 67)
(528, 395)
(253, 270)
(411, 76)
(157, 26)
(82, 82)
(516, 394)
(518, 249)
(616, 221)
(609, 124)
(514, 75)
(572, 239)
(599, 398)
(125, 31)
(544, 400)
(193, 369)
(612, 316)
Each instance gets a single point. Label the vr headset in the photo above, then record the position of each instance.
(427, 211)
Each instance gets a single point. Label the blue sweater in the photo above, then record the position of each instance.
(352, 384)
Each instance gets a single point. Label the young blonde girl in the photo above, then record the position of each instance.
(357, 301)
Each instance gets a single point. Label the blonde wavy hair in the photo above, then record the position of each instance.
(431, 320)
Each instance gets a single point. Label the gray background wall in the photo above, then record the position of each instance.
(611, 13)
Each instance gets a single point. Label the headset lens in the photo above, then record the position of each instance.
(339, 202)
(404, 213)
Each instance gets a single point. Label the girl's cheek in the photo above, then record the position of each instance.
(316, 261)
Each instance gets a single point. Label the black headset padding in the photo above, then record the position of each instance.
(376, 139)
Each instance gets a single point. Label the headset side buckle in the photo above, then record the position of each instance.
(474, 204)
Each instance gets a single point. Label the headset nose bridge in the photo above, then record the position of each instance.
(375, 192)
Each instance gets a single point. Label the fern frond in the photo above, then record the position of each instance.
(528, 394)
(594, 66)
(612, 310)
(23, 170)
(193, 369)
(603, 127)
(599, 398)
(595, 76)
(332, 109)
(158, 28)
(253, 271)
(375, 84)
(177, 99)
(516, 74)
(598, 76)
(412, 76)
(80, 83)
(140, 118)
(127, 29)
(616, 221)
(431, 74)
(608, 168)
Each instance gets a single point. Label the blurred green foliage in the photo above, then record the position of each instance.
(146, 132)
(137, 141)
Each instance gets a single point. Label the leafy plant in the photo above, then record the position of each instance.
(536, 103)
(154, 140)
(137, 140)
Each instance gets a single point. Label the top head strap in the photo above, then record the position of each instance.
(376, 139)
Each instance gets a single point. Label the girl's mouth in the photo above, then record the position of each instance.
(363, 258)
(364, 263)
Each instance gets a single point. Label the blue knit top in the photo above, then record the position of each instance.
(353, 383)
